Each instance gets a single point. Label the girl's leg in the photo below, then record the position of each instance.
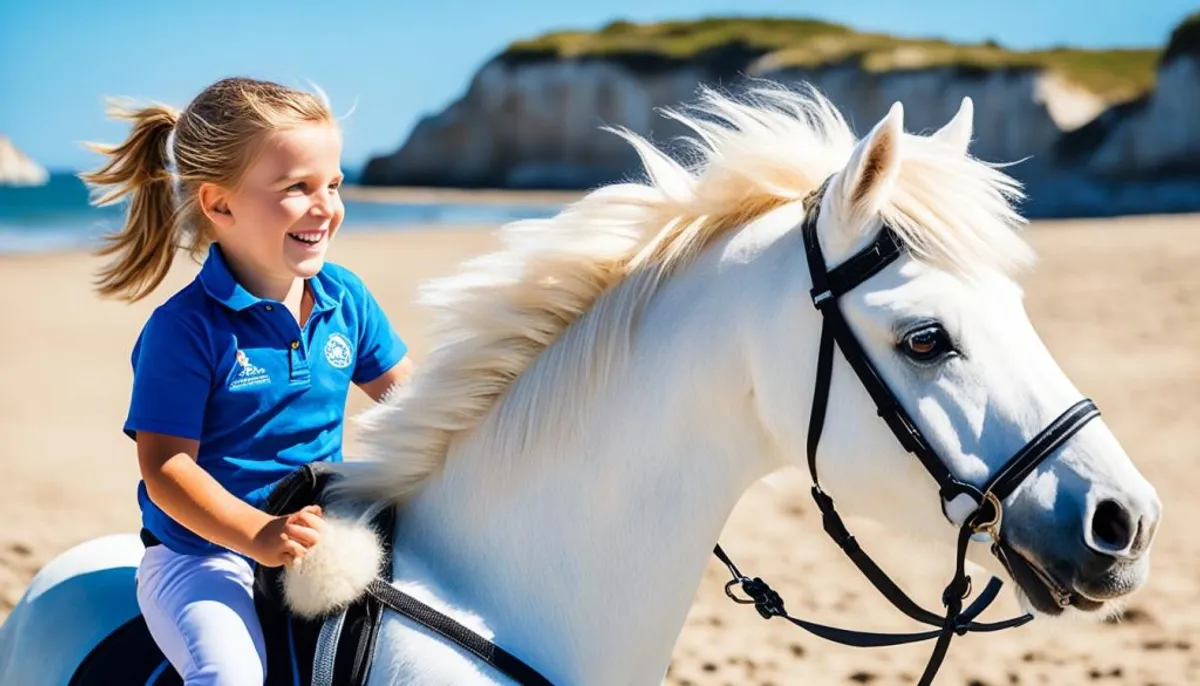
(200, 611)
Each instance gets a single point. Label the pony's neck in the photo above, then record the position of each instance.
(582, 554)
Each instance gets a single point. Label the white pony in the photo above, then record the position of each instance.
(602, 391)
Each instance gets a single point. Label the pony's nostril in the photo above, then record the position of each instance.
(1112, 526)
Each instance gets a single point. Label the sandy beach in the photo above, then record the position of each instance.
(1117, 301)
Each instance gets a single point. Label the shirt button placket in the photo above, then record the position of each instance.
(299, 366)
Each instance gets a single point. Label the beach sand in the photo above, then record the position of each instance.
(1117, 301)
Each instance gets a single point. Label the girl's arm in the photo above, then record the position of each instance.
(376, 388)
(192, 497)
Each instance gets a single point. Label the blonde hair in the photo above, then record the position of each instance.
(165, 159)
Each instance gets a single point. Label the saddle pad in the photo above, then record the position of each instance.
(126, 656)
(130, 656)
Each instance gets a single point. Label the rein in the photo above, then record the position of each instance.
(984, 522)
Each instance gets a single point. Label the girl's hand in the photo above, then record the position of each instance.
(285, 540)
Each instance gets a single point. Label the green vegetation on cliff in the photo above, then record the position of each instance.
(768, 44)
(1185, 39)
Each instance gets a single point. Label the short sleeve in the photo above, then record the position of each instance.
(379, 346)
(172, 378)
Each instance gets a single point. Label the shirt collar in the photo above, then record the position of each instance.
(220, 285)
(322, 300)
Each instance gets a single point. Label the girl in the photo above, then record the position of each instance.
(241, 376)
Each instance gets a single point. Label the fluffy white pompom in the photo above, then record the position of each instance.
(336, 571)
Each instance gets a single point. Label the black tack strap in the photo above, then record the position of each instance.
(952, 597)
(1042, 446)
(769, 604)
(485, 650)
(863, 265)
(816, 422)
(720, 553)
(827, 287)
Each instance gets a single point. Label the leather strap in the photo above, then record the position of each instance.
(827, 287)
(502, 660)
(326, 653)
(1004, 481)
(769, 604)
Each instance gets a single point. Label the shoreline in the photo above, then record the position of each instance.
(88, 246)
(421, 195)
(352, 232)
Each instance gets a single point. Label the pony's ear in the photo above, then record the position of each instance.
(866, 182)
(957, 132)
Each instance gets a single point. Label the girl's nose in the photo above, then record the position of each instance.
(322, 205)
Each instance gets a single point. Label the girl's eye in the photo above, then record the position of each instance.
(298, 186)
(335, 186)
(928, 344)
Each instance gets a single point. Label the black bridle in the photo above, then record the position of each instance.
(986, 518)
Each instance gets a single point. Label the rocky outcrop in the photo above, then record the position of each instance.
(1153, 136)
(1158, 134)
(16, 169)
(537, 124)
(531, 119)
(1142, 155)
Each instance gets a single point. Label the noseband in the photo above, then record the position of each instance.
(985, 519)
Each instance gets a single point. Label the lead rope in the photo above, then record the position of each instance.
(770, 604)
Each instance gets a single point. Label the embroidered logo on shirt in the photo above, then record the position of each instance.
(249, 374)
(338, 351)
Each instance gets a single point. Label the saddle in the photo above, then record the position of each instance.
(294, 645)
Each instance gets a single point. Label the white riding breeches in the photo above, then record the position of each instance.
(200, 611)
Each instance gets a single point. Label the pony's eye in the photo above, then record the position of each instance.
(927, 344)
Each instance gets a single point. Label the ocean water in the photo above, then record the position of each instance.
(57, 216)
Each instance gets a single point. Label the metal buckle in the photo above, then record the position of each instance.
(822, 297)
(989, 529)
(729, 591)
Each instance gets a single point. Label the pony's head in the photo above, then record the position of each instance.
(945, 327)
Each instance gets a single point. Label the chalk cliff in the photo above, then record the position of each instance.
(530, 117)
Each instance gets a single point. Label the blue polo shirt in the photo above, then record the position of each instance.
(261, 394)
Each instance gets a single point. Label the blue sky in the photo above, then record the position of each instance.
(393, 62)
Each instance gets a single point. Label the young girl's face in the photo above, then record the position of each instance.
(287, 207)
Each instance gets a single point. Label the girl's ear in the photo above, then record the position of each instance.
(214, 203)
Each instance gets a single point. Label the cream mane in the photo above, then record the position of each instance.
(560, 300)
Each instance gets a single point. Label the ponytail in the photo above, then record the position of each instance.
(137, 168)
(206, 143)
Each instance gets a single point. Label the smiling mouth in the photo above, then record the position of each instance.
(1045, 591)
(309, 238)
